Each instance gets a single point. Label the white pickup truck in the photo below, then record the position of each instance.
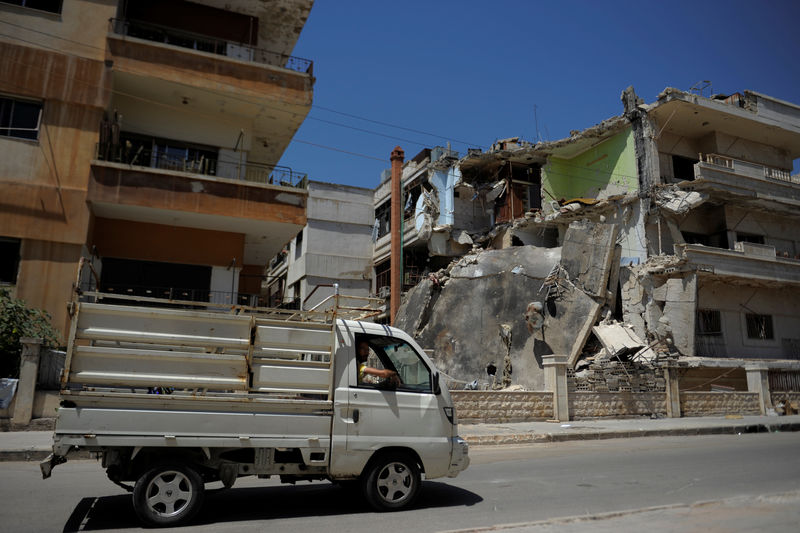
(172, 399)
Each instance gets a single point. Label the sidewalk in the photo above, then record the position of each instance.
(35, 445)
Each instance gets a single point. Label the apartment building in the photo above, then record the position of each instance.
(145, 136)
(334, 247)
(671, 229)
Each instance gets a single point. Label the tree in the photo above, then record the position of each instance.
(17, 320)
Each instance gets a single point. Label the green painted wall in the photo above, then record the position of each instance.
(610, 166)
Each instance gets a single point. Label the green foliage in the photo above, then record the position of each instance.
(17, 320)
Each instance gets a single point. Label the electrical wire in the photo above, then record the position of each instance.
(261, 104)
(264, 106)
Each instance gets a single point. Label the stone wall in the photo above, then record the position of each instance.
(719, 403)
(616, 404)
(502, 406)
(522, 406)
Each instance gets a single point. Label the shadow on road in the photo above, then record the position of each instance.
(261, 503)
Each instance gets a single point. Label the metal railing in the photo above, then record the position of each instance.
(251, 172)
(184, 295)
(209, 44)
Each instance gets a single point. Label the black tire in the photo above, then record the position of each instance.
(391, 482)
(168, 495)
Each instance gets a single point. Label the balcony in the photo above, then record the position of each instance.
(754, 263)
(744, 179)
(191, 159)
(209, 44)
(180, 296)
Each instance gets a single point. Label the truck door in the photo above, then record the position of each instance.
(405, 414)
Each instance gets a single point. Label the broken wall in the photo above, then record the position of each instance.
(605, 170)
(479, 294)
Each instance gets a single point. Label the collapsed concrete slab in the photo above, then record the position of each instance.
(587, 253)
(568, 321)
(620, 341)
(459, 319)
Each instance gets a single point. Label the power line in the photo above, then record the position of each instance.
(395, 126)
(340, 150)
(259, 103)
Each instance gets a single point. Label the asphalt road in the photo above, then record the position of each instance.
(639, 481)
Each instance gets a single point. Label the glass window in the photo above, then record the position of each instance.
(398, 355)
(53, 6)
(19, 118)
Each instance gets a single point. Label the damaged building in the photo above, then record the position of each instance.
(667, 233)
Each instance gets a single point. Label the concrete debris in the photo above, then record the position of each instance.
(621, 342)
(505, 335)
(677, 201)
(534, 318)
(465, 343)
(587, 253)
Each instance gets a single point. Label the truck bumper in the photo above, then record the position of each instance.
(459, 456)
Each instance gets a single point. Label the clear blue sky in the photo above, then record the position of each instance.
(476, 71)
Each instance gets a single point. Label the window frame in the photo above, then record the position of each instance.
(388, 363)
(5, 131)
(769, 327)
(16, 261)
(21, 3)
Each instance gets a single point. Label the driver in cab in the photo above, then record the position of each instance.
(389, 377)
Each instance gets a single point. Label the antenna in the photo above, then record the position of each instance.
(536, 120)
(701, 86)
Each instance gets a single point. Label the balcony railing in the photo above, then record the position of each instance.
(250, 172)
(206, 43)
(185, 295)
(749, 169)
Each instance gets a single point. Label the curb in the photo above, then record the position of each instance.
(40, 453)
(532, 438)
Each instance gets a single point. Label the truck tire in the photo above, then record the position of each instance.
(168, 495)
(391, 482)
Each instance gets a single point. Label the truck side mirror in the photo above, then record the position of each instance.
(437, 389)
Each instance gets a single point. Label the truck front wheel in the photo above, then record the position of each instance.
(391, 482)
(168, 495)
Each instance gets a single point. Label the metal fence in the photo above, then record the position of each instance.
(209, 44)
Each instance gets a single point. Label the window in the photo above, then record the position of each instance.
(383, 214)
(19, 118)
(683, 168)
(749, 237)
(53, 6)
(759, 326)
(9, 260)
(298, 244)
(398, 355)
(709, 323)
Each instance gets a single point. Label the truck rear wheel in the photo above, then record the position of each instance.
(168, 495)
(392, 482)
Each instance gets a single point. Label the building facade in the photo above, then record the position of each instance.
(334, 247)
(144, 136)
(669, 231)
